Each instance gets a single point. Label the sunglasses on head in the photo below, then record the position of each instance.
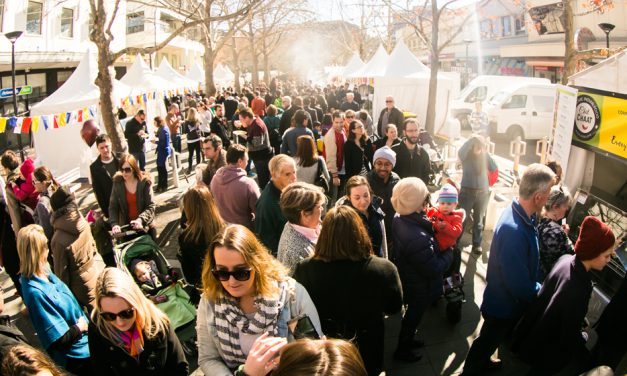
(238, 274)
(128, 170)
(127, 314)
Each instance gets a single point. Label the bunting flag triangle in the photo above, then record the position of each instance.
(11, 124)
(80, 116)
(145, 98)
(35, 126)
(92, 112)
(3, 124)
(56, 120)
(68, 117)
(61, 120)
(26, 124)
(18, 125)
(46, 120)
(86, 114)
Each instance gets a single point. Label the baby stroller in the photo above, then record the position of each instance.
(173, 300)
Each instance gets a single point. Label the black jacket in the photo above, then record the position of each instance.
(356, 158)
(286, 118)
(384, 190)
(218, 127)
(102, 183)
(351, 298)
(192, 255)
(230, 106)
(396, 117)
(420, 262)
(549, 334)
(135, 142)
(412, 163)
(162, 355)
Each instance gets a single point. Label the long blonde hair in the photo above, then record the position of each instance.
(203, 218)
(114, 283)
(192, 115)
(32, 247)
(267, 269)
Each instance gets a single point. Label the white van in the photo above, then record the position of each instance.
(522, 110)
(481, 89)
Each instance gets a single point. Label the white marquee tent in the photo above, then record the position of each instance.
(142, 79)
(406, 79)
(375, 67)
(355, 64)
(196, 73)
(223, 76)
(176, 80)
(62, 149)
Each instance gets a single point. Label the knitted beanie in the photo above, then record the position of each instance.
(386, 153)
(595, 237)
(448, 193)
(60, 198)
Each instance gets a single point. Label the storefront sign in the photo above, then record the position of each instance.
(563, 118)
(20, 90)
(600, 122)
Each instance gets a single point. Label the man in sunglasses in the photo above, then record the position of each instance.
(390, 115)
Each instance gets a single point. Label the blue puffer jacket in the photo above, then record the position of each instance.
(419, 261)
(513, 267)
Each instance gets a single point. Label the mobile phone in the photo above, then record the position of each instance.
(302, 327)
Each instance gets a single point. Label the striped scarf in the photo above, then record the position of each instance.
(132, 340)
(230, 320)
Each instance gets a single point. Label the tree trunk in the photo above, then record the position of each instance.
(570, 63)
(435, 65)
(109, 118)
(210, 87)
(236, 70)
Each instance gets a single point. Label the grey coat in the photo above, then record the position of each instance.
(293, 247)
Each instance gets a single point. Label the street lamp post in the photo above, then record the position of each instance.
(607, 29)
(466, 65)
(12, 37)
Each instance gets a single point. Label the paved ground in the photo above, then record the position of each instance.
(446, 344)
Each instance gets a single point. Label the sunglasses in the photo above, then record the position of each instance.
(128, 170)
(238, 274)
(124, 315)
(350, 117)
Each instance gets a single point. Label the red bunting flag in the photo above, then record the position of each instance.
(80, 116)
(26, 124)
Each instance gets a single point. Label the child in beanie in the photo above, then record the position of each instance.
(447, 222)
(23, 187)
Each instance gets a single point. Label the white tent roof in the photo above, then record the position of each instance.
(79, 91)
(354, 65)
(375, 67)
(402, 62)
(608, 75)
(196, 73)
(222, 74)
(176, 79)
(141, 78)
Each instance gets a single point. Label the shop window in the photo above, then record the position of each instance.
(67, 22)
(486, 29)
(515, 101)
(506, 26)
(33, 18)
(519, 24)
(134, 22)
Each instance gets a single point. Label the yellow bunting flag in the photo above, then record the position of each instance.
(3, 124)
(86, 114)
(62, 120)
(35, 125)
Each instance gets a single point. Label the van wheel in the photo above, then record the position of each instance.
(514, 132)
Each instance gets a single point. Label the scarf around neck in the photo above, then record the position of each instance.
(230, 320)
(132, 340)
(339, 142)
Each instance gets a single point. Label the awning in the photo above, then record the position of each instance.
(545, 63)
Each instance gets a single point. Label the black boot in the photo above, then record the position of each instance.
(406, 352)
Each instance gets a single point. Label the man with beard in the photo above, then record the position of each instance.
(411, 158)
(382, 181)
(218, 126)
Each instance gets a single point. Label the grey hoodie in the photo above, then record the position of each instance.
(236, 195)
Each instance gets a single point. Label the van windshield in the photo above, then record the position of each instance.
(472, 94)
(499, 98)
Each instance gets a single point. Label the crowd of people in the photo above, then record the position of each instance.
(300, 235)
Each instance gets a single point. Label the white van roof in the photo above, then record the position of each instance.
(519, 85)
(483, 79)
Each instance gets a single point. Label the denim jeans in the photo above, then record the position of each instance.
(141, 159)
(493, 333)
(475, 203)
(176, 142)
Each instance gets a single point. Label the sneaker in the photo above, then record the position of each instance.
(477, 250)
(407, 355)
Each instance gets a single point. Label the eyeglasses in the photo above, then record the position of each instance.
(127, 170)
(350, 117)
(238, 274)
(389, 101)
(127, 314)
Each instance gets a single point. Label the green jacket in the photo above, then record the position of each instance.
(269, 220)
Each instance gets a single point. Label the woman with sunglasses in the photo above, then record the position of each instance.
(57, 317)
(247, 302)
(128, 334)
(131, 198)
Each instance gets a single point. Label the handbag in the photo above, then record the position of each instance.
(321, 181)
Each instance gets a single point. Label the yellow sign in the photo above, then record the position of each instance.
(601, 122)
